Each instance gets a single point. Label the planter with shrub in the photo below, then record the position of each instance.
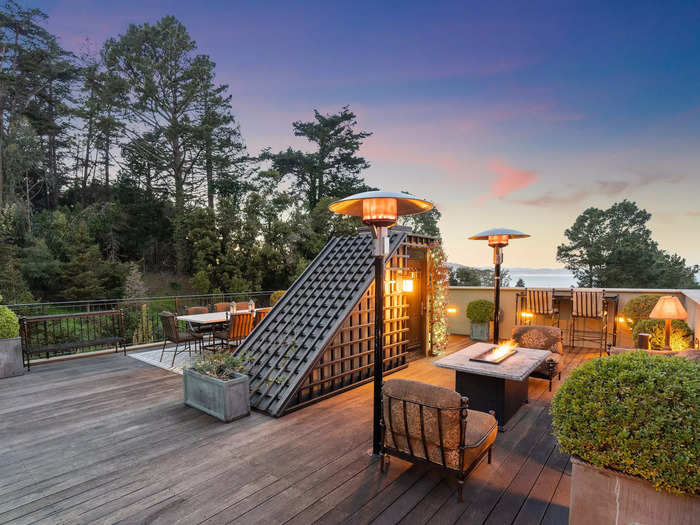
(631, 423)
(11, 362)
(480, 314)
(216, 385)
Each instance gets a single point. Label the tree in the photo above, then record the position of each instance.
(520, 283)
(166, 80)
(614, 248)
(333, 168)
(464, 276)
(424, 223)
(134, 287)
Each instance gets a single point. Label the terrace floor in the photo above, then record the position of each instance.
(108, 439)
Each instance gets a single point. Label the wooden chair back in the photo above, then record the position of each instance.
(222, 307)
(240, 325)
(196, 310)
(260, 314)
(241, 305)
(169, 323)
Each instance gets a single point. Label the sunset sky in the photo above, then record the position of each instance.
(517, 115)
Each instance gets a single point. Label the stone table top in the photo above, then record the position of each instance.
(517, 367)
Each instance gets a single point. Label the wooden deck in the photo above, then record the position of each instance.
(108, 439)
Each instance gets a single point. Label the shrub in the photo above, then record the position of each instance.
(480, 311)
(9, 326)
(276, 296)
(634, 413)
(680, 333)
(222, 366)
(639, 308)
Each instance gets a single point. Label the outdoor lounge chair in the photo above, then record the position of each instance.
(542, 338)
(430, 424)
(239, 326)
(172, 334)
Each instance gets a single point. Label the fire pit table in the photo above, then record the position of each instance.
(493, 380)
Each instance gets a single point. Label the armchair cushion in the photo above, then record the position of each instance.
(539, 337)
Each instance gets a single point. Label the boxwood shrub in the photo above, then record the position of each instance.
(480, 311)
(9, 326)
(680, 333)
(639, 308)
(634, 413)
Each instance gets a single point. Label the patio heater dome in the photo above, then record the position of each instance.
(498, 236)
(380, 208)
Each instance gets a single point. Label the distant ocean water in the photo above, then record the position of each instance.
(556, 279)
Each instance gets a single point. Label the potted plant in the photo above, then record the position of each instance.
(480, 314)
(631, 423)
(11, 362)
(216, 385)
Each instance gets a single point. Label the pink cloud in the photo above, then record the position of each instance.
(508, 180)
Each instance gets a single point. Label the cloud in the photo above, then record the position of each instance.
(606, 188)
(507, 181)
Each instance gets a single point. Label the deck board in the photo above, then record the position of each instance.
(108, 439)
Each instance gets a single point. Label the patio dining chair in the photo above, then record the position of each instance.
(196, 310)
(239, 326)
(430, 424)
(172, 334)
(542, 338)
(222, 307)
(260, 314)
(241, 305)
(588, 306)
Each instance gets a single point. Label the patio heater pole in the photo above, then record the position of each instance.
(380, 249)
(379, 210)
(498, 239)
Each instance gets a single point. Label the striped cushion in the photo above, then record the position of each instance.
(539, 301)
(587, 304)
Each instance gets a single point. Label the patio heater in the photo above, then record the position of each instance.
(498, 239)
(379, 210)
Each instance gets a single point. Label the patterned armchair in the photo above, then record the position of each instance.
(431, 424)
(542, 338)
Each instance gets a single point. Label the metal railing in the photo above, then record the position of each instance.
(142, 324)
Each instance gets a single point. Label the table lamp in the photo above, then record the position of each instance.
(668, 308)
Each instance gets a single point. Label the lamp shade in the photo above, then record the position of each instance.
(380, 208)
(668, 307)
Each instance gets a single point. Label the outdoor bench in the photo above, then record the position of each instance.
(60, 332)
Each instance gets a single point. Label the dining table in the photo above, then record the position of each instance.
(207, 322)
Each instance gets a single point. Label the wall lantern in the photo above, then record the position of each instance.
(380, 210)
(451, 310)
(497, 238)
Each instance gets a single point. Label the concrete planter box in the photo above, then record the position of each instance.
(11, 363)
(479, 331)
(601, 495)
(225, 400)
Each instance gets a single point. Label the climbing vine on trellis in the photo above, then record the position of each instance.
(439, 280)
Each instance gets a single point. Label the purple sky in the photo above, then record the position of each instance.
(518, 115)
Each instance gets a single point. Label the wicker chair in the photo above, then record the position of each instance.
(260, 314)
(239, 326)
(430, 424)
(196, 310)
(542, 338)
(222, 307)
(172, 334)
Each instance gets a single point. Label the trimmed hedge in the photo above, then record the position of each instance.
(9, 325)
(480, 311)
(634, 413)
(680, 333)
(639, 308)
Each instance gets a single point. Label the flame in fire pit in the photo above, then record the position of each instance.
(503, 349)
